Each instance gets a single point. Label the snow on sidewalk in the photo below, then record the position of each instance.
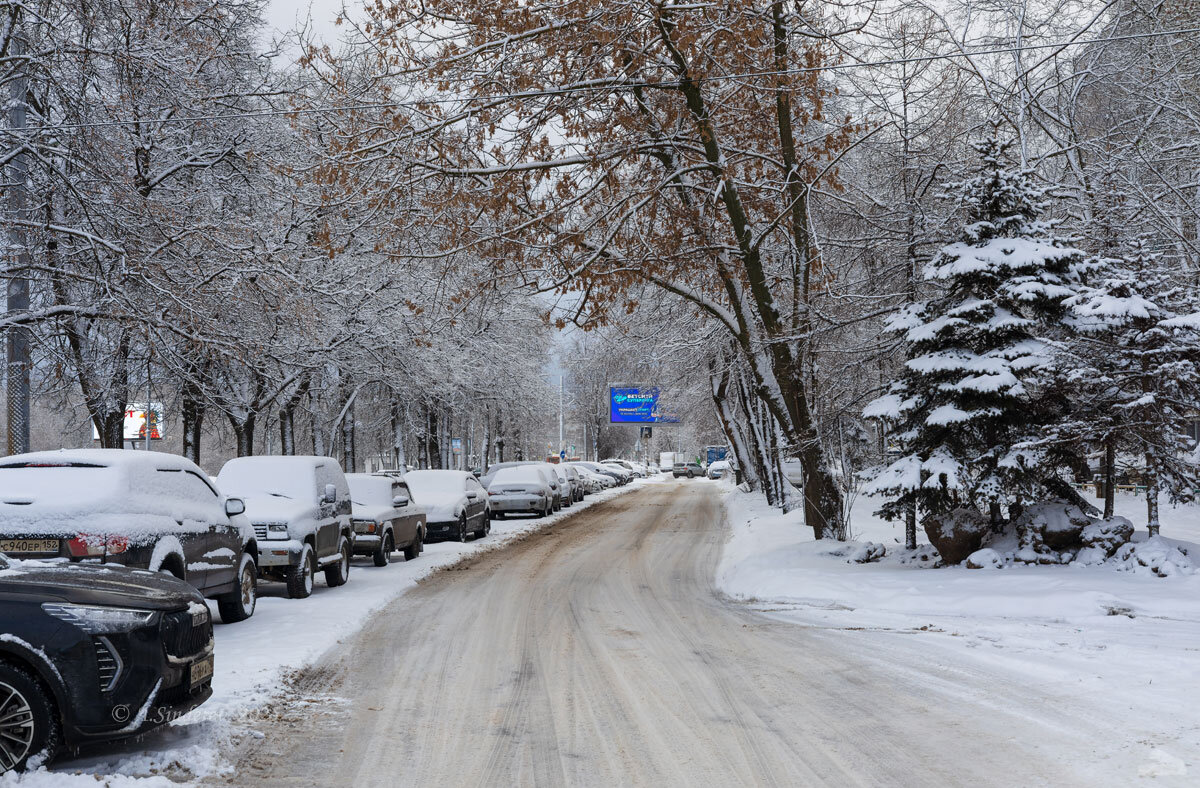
(1115, 651)
(253, 659)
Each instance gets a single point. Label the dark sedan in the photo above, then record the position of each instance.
(92, 653)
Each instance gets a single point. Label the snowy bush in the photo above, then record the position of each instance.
(865, 553)
(1154, 556)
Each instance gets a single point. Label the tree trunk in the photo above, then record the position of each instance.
(349, 460)
(193, 420)
(398, 457)
(910, 525)
(243, 430)
(1110, 475)
(1152, 524)
(287, 418)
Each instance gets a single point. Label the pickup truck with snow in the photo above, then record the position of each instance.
(300, 509)
(144, 510)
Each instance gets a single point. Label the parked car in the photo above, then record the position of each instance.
(566, 495)
(617, 474)
(92, 653)
(455, 504)
(486, 478)
(634, 469)
(148, 510)
(519, 490)
(300, 508)
(595, 481)
(579, 487)
(688, 469)
(626, 473)
(384, 518)
(559, 489)
(719, 469)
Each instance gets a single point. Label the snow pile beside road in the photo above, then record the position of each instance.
(1118, 645)
(253, 658)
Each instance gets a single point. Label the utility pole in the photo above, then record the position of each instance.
(18, 284)
(560, 413)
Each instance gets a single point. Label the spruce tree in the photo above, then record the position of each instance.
(1137, 338)
(966, 401)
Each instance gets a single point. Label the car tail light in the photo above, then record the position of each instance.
(90, 546)
(84, 546)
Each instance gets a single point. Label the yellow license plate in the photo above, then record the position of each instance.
(202, 671)
(17, 546)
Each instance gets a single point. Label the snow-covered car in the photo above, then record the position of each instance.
(595, 481)
(566, 492)
(455, 504)
(555, 482)
(300, 509)
(579, 487)
(524, 489)
(620, 468)
(142, 509)
(384, 518)
(617, 474)
(688, 469)
(719, 469)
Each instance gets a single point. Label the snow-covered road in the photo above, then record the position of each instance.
(599, 652)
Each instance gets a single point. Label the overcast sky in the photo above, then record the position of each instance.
(284, 15)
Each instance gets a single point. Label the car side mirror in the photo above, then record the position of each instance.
(472, 495)
(400, 500)
(330, 494)
(234, 506)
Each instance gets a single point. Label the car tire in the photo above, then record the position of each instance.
(30, 724)
(414, 549)
(462, 528)
(338, 573)
(238, 604)
(484, 529)
(387, 546)
(300, 578)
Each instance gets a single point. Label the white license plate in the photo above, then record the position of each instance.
(201, 672)
(17, 546)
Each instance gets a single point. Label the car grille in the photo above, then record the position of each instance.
(108, 663)
(260, 531)
(181, 638)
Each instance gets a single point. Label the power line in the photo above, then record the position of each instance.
(616, 85)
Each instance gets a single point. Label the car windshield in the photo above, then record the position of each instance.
(435, 483)
(63, 485)
(282, 480)
(370, 491)
(520, 475)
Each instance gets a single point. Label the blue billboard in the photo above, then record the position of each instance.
(636, 405)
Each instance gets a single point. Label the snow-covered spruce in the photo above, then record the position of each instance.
(968, 399)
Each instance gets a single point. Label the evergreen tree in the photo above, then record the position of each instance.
(1137, 341)
(966, 402)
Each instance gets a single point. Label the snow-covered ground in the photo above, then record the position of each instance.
(1113, 651)
(254, 657)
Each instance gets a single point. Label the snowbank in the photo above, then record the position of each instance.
(1117, 649)
(254, 657)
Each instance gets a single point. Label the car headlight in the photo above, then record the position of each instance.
(100, 620)
(277, 531)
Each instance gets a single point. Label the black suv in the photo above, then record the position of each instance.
(91, 653)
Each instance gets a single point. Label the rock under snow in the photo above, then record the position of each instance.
(987, 558)
(956, 534)
(1155, 556)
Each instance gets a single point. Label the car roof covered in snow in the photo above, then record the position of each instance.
(111, 458)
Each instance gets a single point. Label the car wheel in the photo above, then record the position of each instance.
(29, 724)
(338, 573)
(463, 533)
(414, 549)
(387, 546)
(486, 528)
(300, 578)
(238, 604)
